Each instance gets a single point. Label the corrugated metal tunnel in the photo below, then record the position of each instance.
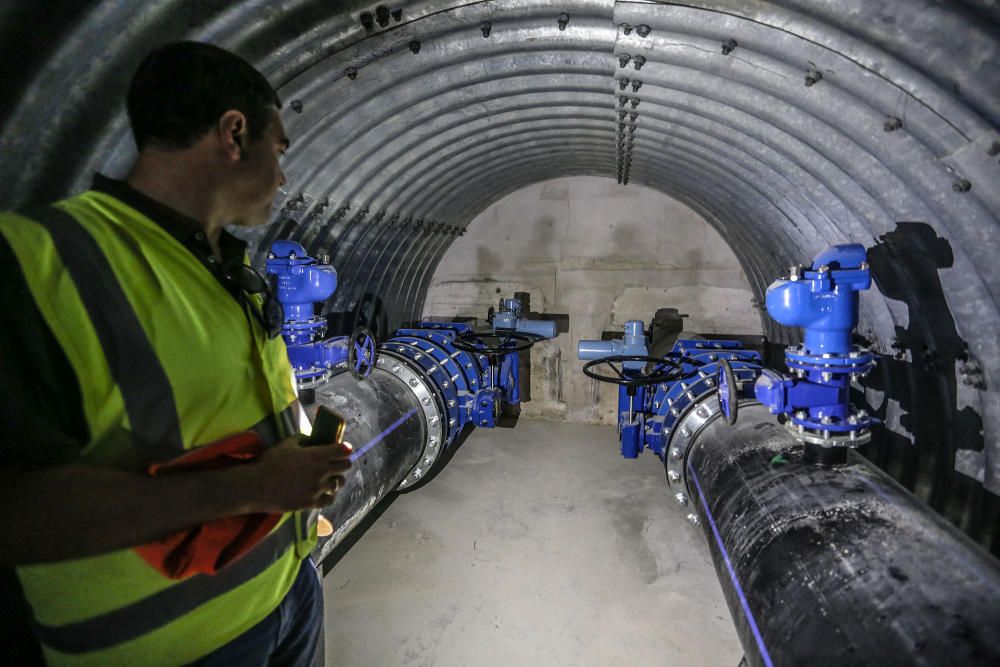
(787, 125)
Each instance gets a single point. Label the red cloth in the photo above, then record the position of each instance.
(208, 548)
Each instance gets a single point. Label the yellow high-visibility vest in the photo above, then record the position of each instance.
(166, 360)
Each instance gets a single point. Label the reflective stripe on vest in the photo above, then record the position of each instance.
(148, 614)
(114, 608)
(148, 396)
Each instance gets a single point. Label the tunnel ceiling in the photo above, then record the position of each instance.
(788, 124)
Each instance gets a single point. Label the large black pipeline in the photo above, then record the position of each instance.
(386, 426)
(836, 565)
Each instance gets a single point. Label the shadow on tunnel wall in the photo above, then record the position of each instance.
(369, 312)
(914, 389)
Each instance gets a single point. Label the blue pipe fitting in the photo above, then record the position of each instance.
(315, 361)
(459, 377)
(302, 282)
(670, 403)
(650, 416)
(472, 389)
(822, 299)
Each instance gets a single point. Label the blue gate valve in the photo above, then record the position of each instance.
(823, 299)
(631, 397)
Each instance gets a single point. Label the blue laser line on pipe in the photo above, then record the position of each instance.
(732, 573)
(381, 436)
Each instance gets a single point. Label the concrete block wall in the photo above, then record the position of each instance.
(602, 254)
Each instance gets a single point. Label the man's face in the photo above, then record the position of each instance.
(258, 175)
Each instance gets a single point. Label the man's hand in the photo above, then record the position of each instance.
(100, 510)
(291, 477)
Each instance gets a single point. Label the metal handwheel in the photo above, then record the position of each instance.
(493, 344)
(361, 353)
(655, 371)
(729, 398)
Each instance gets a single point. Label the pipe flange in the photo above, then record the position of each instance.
(698, 415)
(682, 435)
(436, 365)
(322, 377)
(831, 439)
(402, 368)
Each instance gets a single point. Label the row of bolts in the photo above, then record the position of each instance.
(812, 77)
(626, 131)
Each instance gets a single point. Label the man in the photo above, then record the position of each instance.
(133, 332)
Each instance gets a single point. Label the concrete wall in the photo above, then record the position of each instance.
(602, 254)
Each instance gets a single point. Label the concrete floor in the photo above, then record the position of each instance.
(538, 545)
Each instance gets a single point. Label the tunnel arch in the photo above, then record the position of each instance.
(398, 146)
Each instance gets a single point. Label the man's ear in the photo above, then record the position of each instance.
(233, 134)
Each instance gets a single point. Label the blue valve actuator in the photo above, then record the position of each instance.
(510, 322)
(509, 319)
(633, 343)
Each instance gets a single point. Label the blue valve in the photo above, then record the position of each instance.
(823, 299)
(303, 282)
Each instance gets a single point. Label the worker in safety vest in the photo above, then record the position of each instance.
(156, 498)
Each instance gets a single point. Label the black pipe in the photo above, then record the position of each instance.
(836, 565)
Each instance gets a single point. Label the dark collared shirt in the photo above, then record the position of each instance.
(41, 408)
(187, 231)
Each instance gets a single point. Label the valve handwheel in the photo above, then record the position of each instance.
(361, 353)
(655, 371)
(493, 344)
(729, 397)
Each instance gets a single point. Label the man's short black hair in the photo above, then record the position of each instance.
(182, 89)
